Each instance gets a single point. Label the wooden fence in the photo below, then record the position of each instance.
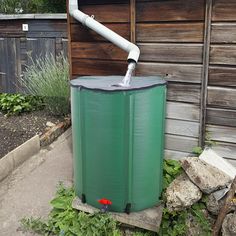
(190, 43)
(46, 34)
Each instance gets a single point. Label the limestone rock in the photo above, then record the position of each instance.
(229, 225)
(205, 176)
(182, 193)
(213, 206)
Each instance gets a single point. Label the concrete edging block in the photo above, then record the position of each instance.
(17, 156)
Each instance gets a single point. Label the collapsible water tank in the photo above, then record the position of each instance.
(118, 140)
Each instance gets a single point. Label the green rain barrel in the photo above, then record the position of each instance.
(118, 140)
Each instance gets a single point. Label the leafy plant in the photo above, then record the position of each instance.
(208, 140)
(49, 78)
(208, 143)
(171, 169)
(18, 103)
(197, 151)
(66, 221)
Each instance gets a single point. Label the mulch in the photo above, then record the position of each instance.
(15, 130)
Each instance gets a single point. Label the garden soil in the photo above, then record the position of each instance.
(15, 130)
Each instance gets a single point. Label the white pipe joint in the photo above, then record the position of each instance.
(134, 53)
(110, 35)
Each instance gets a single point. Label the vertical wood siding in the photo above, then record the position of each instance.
(17, 47)
(221, 99)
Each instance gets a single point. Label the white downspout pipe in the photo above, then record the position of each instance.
(132, 49)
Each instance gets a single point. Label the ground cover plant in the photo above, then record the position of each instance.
(64, 220)
(48, 77)
(15, 104)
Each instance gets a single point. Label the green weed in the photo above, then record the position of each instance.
(15, 104)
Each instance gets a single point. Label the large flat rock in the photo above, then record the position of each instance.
(182, 193)
(149, 219)
(208, 178)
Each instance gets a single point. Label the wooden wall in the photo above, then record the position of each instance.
(45, 36)
(170, 37)
(221, 96)
(192, 44)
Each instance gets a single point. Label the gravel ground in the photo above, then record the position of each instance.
(15, 130)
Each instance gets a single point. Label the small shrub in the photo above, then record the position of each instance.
(14, 104)
(197, 151)
(33, 6)
(49, 78)
(171, 169)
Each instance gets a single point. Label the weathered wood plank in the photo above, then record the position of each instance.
(170, 32)
(65, 46)
(98, 67)
(162, 52)
(2, 65)
(40, 47)
(170, 10)
(205, 70)
(183, 93)
(171, 72)
(113, 12)
(222, 76)
(11, 29)
(180, 143)
(226, 117)
(223, 33)
(12, 69)
(223, 54)
(222, 97)
(42, 34)
(180, 127)
(96, 2)
(149, 219)
(69, 39)
(105, 51)
(47, 25)
(222, 133)
(225, 150)
(175, 155)
(133, 21)
(83, 34)
(182, 111)
(224, 10)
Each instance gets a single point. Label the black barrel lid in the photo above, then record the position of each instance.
(109, 83)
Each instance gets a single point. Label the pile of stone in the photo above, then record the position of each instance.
(187, 189)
